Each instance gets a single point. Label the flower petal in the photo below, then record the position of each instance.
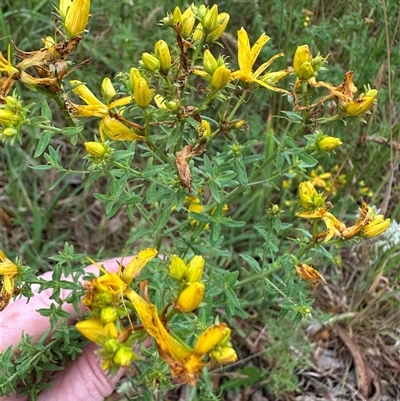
(85, 93)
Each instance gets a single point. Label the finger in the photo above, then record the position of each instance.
(82, 380)
(21, 317)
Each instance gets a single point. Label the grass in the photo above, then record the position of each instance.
(361, 296)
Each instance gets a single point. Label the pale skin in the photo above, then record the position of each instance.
(82, 379)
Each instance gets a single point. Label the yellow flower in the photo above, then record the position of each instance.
(360, 105)
(185, 363)
(309, 197)
(247, 56)
(94, 107)
(95, 331)
(110, 283)
(328, 143)
(331, 222)
(77, 17)
(308, 273)
(8, 271)
(376, 227)
(6, 66)
(115, 129)
(190, 298)
(137, 263)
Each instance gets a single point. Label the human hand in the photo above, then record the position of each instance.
(82, 379)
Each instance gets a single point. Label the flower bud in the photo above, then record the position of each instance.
(77, 17)
(150, 62)
(177, 15)
(371, 93)
(328, 143)
(134, 75)
(308, 273)
(13, 104)
(376, 227)
(224, 355)
(162, 53)
(190, 298)
(209, 339)
(63, 8)
(210, 19)
(217, 32)
(318, 61)
(95, 149)
(273, 78)
(9, 133)
(301, 56)
(111, 345)
(8, 117)
(108, 314)
(107, 90)
(103, 299)
(210, 64)
(202, 11)
(188, 20)
(221, 77)
(142, 93)
(124, 356)
(198, 33)
(306, 71)
(177, 268)
(195, 269)
(239, 124)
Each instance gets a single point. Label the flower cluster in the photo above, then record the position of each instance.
(12, 117)
(116, 326)
(369, 224)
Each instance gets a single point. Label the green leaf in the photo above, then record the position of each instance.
(215, 191)
(44, 140)
(175, 137)
(241, 172)
(251, 262)
(293, 116)
(307, 161)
